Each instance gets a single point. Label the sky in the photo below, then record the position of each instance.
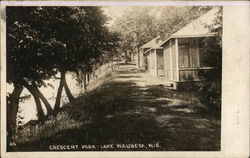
(117, 11)
(114, 11)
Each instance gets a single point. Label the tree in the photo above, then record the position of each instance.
(12, 109)
(141, 24)
(43, 41)
(137, 27)
(85, 38)
(210, 92)
(27, 63)
(173, 18)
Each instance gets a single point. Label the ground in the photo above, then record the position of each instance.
(132, 108)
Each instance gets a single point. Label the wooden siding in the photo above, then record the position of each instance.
(174, 64)
(160, 60)
(166, 54)
(173, 54)
(152, 63)
(189, 75)
(160, 63)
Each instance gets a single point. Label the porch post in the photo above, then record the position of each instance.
(171, 59)
(156, 68)
(177, 59)
(151, 61)
(197, 52)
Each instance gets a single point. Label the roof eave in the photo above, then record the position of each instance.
(189, 36)
(151, 49)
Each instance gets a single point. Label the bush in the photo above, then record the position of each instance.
(34, 131)
(209, 94)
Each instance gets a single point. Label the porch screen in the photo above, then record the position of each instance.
(187, 54)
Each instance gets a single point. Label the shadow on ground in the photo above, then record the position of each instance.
(123, 112)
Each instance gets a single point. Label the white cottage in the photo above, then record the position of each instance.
(185, 51)
(151, 57)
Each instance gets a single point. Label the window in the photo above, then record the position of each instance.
(184, 55)
(187, 54)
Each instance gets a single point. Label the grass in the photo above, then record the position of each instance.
(123, 112)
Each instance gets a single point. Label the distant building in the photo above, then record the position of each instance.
(151, 57)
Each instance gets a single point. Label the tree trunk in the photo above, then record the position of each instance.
(126, 57)
(85, 77)
(84, 82)
(40, 113)
(138, 57)
(35, 94)
(44, 100)
(67, 90)
(12, 109)
(59, 93)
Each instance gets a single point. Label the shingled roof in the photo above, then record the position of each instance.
(197, 28)
(154, 43)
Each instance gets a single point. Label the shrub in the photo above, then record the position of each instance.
(34, 131)
(209, 94)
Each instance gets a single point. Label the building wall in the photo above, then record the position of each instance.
(166, 56)
(174, 56)
(160, 63)
(153, 66)
(170, 65)
(142, 58)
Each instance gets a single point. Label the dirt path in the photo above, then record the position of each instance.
(131, 108)
(166, 121)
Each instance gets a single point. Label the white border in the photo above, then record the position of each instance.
(126, 3)
(3, 79)
(235, 117)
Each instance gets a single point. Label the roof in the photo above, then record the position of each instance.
(197, 28)
(154, 43)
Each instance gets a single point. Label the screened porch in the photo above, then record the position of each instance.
(185, 58)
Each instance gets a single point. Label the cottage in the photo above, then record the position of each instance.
(182, 56)
(185, 51)
(151, 57)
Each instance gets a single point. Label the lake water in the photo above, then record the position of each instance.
(27, 107)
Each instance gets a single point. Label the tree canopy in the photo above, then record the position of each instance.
(45, 41)
(141, 24)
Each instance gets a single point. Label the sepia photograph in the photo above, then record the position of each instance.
(113, 78)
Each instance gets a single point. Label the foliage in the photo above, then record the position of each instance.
(173, 18)
(34, 131)
(137, 27)
(43, 41)
(210, 92)
(25, 58)
(141, 24)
